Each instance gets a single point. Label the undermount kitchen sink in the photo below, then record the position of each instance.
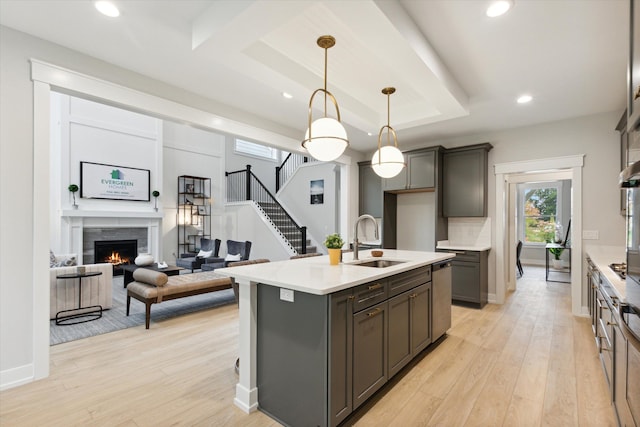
(378, 263)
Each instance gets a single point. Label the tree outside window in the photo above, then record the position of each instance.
(540, 208)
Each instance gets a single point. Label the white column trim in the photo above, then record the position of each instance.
(40, 285)
(247, 388)
(539, 165)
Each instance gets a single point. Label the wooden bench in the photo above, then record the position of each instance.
(153, 287)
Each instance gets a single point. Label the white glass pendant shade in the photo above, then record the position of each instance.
(328, 139)
(387, 161)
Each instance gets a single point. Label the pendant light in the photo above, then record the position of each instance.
(326, 138)
(388, 161)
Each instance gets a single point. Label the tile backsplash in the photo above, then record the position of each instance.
(470, 231)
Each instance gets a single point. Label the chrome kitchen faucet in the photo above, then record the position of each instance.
(355, 232)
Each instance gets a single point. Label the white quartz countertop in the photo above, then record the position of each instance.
(447, 245)
(314, 275)
(602, 256)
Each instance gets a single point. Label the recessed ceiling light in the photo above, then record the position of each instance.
(523, 99)
(107, 8)
(369, 133)
(499, 7)
(287, 95)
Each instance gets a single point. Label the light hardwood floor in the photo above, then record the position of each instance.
(528, 362)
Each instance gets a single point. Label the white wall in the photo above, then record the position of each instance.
(86, 131)
(416, 219)
(191, 151)
(320, 219)
(242, 221)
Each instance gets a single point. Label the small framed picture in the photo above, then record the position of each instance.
(202, 210)
(189, 188)
(317, 192)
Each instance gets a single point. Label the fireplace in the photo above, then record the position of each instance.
(116, 252)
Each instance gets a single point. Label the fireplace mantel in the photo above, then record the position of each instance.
(79, 213)
(75, 221)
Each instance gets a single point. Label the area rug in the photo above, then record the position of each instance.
(115, 318)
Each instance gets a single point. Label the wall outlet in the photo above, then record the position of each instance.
(590, 234)
(286, 294)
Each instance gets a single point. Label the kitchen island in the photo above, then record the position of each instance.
(317, 340)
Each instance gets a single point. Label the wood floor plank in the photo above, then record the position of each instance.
(528, 362)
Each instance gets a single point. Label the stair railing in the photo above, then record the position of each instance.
(288, 167)
(243, 185)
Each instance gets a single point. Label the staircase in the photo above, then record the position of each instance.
(279, 218)
(243, 185)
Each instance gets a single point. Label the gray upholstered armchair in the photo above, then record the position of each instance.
(194, 261)
(236, 251)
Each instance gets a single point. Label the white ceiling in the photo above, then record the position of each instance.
(456, 71)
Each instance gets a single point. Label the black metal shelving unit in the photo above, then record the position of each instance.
(194, 212)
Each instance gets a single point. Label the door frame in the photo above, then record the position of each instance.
(569, 167)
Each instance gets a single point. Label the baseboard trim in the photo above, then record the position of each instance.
(491, 298)
(15, 377)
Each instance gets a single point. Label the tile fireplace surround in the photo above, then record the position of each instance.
(75, 223)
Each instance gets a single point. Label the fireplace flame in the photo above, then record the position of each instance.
(116, 259)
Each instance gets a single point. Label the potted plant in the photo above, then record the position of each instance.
(334, 244)
(73, 188)
(557, 262)
(155, 194)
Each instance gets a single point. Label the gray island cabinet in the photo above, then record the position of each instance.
(321, 353)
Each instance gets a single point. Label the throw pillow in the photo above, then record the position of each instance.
(232, 257)
(70, 261)
(67, 261)
(52, 259)
(204, 254)
(156, 278)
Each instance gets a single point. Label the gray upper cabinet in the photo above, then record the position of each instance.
(464, 181)
(398, 182)
(419, 173)
(421, 166)
(370, 191)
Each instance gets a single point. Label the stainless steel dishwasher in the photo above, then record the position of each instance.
(441, 312)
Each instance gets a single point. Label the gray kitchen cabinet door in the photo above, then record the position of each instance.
(370, 183)
(420, 318)
(465, 281)
(340, 356)
(370, 339)
(464, 182)
(399, 332)
(398, 182)
(421, 166)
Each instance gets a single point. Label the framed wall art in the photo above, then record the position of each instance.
(101, 181)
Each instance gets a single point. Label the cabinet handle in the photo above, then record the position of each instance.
(413, 295)
(374, 312)
(376, 286)
(611, 324)
(351, 297)
(603, 348)
(636, 95)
